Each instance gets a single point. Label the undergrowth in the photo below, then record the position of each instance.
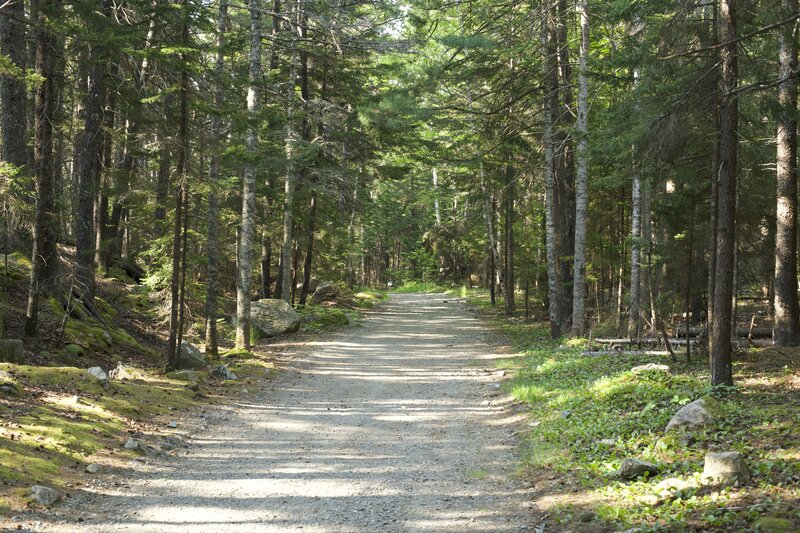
(588, 413)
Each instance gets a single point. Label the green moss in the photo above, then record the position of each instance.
(74, 350)
(771, 524)
(238, 353)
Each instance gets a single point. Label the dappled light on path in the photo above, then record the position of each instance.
(394, 426)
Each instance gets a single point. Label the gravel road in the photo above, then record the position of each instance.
(398, 425)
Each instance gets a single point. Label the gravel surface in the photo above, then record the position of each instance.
(398, 425)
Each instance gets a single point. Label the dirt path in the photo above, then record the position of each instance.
(394, 426)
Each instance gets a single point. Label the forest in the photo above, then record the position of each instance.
(624, 173)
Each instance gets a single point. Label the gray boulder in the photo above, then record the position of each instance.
(632, 468)
(273, 317)
(325, 291)
(725, 468)
(191, 356)
(692, 415)
(45, 495)
(98, 373)
(92, 468)
(122, 372)
(222, 372)
(12, 351)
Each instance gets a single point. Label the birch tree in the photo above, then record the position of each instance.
(581, 195)
(787, 315)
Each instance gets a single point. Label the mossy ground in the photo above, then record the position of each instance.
(579, 405)
(63, 418)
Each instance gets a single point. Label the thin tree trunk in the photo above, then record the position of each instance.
(787, 314)
(312, 217)
(212, 245)
(291, 147)
(45, 228)
(175, 325)
(635, 296)
(508, 273)
(721, 370)
(549, 103)
(437, 212)
(249, 183)
(714, 196)
(488, 217)
(581, 194)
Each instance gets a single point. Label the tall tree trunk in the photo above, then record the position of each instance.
(88, 161)
(714, 196)
(13, 121)
(312, 218)
(175, 323)
(488, 217)
(550, 91)
(581, 194)
(291, 147)
(787, 314)
(212, 245)
(508, 274)
(634, 309)
(436, 210)
(249, 183)
(162, 180)
(721, 370)
(45, 227)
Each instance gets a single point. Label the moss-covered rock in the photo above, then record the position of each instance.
(772, 524)
(74, 350)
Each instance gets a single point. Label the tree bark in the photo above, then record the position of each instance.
(88, 161)
(634, 320)
(581, 194)
(212, 246)
(45, 227)
(13, 121)
(291, 146)
(175, 323)
(249, 183)
(721, 370)
(508, 271)
(786, 312)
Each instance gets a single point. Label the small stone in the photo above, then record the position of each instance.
(566, 414)
(607, 442)
(45, 495)
(123, 372)
(245, 391)
(725, 468)
(588, 516)
(500, 373)
(693, 415)
(107, 338)
(773, 524)
(132, 444)
(98, 373)
(92, 468)
(172, 424)
(485, 402)
(222, 372)
(633, 468)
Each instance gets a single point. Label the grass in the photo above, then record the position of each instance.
(579, 405)
(418, 286)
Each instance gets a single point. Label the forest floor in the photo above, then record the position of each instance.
(398, 425)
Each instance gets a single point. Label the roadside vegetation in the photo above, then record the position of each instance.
(588, 413)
